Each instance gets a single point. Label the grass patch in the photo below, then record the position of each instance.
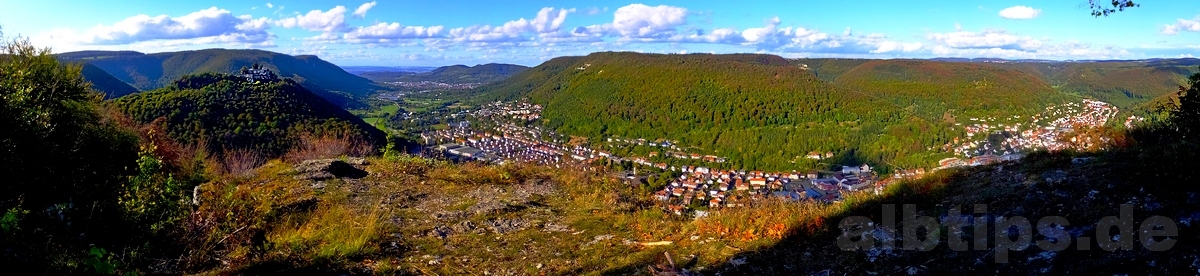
(333, 231)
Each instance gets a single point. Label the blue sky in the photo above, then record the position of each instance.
(434, 33)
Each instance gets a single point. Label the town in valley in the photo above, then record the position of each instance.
(693, 183)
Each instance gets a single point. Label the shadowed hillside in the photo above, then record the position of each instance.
(106, 83)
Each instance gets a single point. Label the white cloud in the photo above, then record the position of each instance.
(1181, 24)
(722, 35)
(892, 46)
(755, 35)
(324, 37)
(639, 21)
(316, 51)
(211, 25)
(1070, 50)
(333, 20)
(361, 11)
(384, 31)
(548, 21)
(1020, 12)
(269, 6)
(985, 39)
(595, 10)
(1000, 44)
(773, 38)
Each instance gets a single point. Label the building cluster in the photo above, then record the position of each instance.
(713, 188)
(673, 151)
(520, 110)
(1048, 130)
(982, 160)
(257, 72)
(509, 142)
(497, 148)
(1133, 121)
(818, 155)
(643, 142)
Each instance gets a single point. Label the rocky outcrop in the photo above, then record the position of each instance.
(322, 169)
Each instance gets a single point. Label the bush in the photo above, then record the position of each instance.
(313, 147)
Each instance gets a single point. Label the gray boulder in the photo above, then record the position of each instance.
(322, 169)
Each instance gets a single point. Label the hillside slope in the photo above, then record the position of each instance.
(1124, 83)
(759, 110)
(229, 112)
(932, 88)
(152, 71)
(1081, 192)
(104, 82)
(454, 74)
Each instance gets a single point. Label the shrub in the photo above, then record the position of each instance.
(313, 147)
(241, 162)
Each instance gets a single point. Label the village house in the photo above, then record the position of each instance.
(662, 195)
(775, 185)
(758, 182)
(677, 209)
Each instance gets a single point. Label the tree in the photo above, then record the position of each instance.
(1102, 8)
(62, 154)
(1187, 118)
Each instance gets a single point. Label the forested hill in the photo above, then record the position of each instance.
(229, 112)
(454, 74)
(105, 83)
(935, 89)
(152, 71)
(761, 111)
(1124, 83)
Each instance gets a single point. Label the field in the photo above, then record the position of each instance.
(376, 117)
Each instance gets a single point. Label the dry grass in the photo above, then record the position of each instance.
(240, 162)
(348, 230)
(334, 230)
(313, 147)
(223, 230)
